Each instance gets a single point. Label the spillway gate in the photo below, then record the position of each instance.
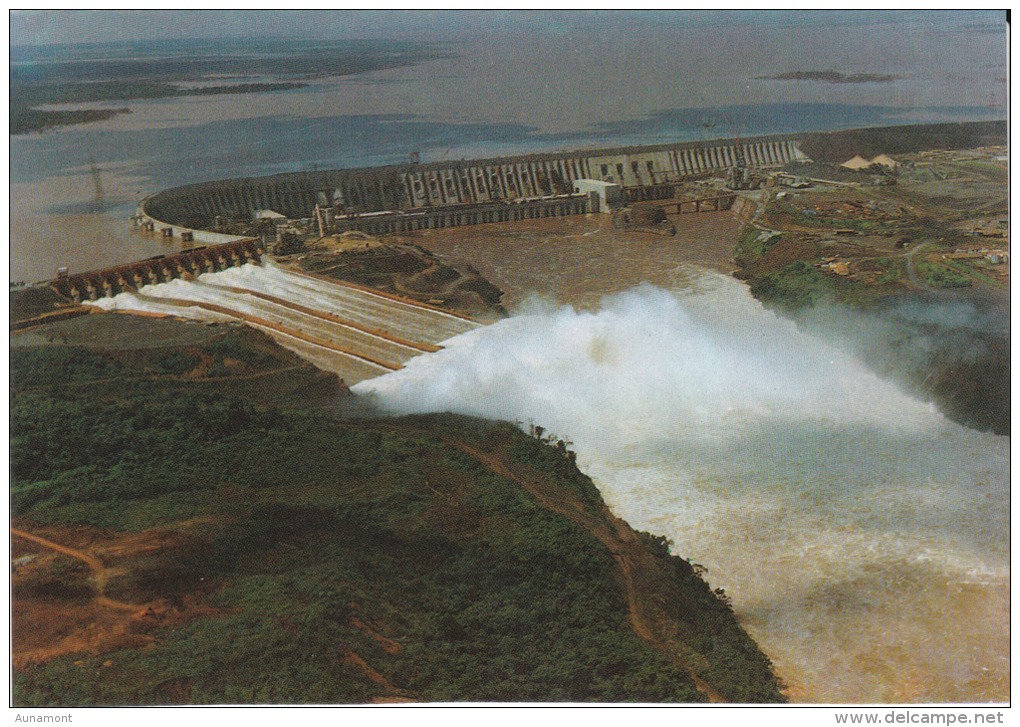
(108, 282)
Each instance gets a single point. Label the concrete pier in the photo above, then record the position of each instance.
(714, 203)
(444, 194)
(108, 282)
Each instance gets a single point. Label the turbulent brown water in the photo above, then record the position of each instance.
(862, 536)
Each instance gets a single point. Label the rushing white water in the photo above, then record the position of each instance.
(379, 331)
(399, 319)
(862, 536)
(147, 304)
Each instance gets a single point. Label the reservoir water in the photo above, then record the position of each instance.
(862, 536)
(565, 86)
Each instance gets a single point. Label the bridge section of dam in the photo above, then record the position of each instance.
(108, 282)
(350, 330)
(441, 194)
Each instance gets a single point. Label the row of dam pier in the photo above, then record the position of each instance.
(414, 196)
(191, 263)
(442, 194)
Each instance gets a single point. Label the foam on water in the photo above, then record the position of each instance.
(658, 369)
(146, 304)
(851, 524)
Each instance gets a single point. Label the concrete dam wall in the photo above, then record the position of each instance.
(480, 187)
(109, 282)
(352, 331)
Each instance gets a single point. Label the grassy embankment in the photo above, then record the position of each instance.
(409, 271)
(287, 557)
(792, 285)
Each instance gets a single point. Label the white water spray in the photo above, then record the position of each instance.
(365, 334)
(852, 524)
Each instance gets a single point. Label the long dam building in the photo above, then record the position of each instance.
(360, 333)
(400, 197)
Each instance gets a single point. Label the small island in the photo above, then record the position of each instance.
(39, 80)
(830, 77)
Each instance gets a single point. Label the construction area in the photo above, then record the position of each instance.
(930, 220)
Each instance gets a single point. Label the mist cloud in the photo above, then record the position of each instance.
(781, 462)
(649, 368)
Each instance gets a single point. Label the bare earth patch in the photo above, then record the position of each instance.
(74, 592)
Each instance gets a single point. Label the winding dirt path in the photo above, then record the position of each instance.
(100, 573)
(615, 542)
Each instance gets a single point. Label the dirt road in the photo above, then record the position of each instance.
(100, 573)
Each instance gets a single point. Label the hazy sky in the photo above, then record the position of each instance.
(31, 27)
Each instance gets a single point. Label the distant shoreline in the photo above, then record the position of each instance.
(39, 77)
(28, 120)
(27, 117)
(838, 146)
(831, 77)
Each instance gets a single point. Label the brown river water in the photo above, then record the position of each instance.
(862, 537)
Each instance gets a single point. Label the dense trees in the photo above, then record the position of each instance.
(313, 528)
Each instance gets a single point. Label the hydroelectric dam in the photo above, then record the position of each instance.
(352, 331)
(413, 196)
(357, 332)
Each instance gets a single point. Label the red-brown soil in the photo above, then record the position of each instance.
(73, 591)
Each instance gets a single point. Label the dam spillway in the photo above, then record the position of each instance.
(444, 194)
(367, 332)
(112, 281)
(354, 332)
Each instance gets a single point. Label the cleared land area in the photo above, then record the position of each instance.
(936, 215)
(922, 256)
(407, 271)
